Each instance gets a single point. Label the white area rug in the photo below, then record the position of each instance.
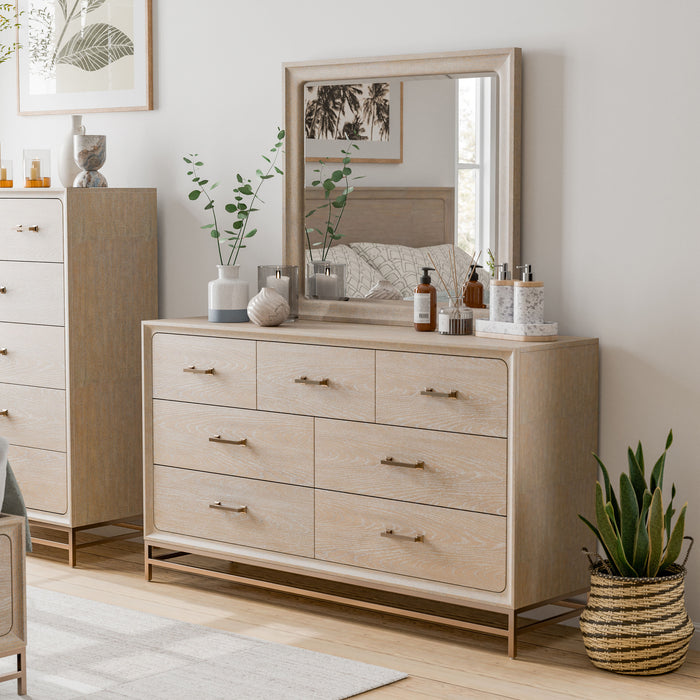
(79, 648)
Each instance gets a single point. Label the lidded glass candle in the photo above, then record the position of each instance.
(37, 167)
(6, 178)
(284, 279)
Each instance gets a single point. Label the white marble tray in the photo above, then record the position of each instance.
(533, 332)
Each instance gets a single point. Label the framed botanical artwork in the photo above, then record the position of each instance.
(368, 113)
(84, 56)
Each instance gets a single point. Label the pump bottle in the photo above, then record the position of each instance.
(501, 302)
(528, 298)
(425, 303)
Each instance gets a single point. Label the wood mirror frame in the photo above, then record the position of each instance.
(504, 63)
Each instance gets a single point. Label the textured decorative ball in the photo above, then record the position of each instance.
(268, 308)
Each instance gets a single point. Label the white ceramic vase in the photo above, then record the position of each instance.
(268, 308)
(67, 167)
(228, 296)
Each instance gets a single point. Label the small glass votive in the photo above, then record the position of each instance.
(37, 167)
(284, 279)
(325, 280)
(6, 179)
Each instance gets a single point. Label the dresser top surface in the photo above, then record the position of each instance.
(361, 335)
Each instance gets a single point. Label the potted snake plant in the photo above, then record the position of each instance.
(635, 621)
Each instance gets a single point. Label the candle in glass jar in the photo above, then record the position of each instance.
(327, 285)
(280, 283)
(3, 173)
(35, 170)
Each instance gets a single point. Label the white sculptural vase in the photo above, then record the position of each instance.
(68, 169)
(90, 152)
(268, 308)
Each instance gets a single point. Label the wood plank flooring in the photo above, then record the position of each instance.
(441, 663)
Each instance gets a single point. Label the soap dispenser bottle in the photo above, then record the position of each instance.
(528, 298)
(501, 302)
(425, 303)
(474, 291)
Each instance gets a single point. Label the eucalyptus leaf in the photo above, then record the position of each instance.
(194, 194)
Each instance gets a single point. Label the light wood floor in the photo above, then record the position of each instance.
(441, 663)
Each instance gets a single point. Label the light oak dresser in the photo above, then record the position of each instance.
(78, 273)
(437, 476)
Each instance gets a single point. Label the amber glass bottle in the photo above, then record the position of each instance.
(474, 292)
(425, 303)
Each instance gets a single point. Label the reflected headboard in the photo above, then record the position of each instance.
(411, 216)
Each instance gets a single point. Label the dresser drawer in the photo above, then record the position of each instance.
(202, 369)
(278, 517)
(276, 447)
(33, 293)
(462, 394)
(35, 417)
(19, 242)
(407, 464)
(42, 477)
(32, 355)
(6, 565)
(459, 547)
(317, 381)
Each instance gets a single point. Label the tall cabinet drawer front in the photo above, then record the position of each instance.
(278, 517)
(33, 293)
(32, 355)
(408, 464)
(35, 417)
(19, 242)
(42, 477)
(276, 447)
(332, 382)
(201, 369)
(459, 547)
(413, 389)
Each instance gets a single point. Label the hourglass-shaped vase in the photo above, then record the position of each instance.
(90, 153)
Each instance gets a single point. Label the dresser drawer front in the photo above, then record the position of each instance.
(35, 417)
(277, 447)
(202, 369)
(459, 547)
(6, 567)
(32, 355)
(289, 376)
(424, 466)
(479, 386)
(33, 293)
(279, 517)
(42, 477)
(19, 242)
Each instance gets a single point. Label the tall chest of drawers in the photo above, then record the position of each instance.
(78, 273)
(426, 469)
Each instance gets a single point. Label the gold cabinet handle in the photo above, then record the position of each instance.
(3, 351)
(3, 290)
(218, 438)
(4, 412)
(194, 370)
(19, 228)
(445, 395)
(391, 462)
(232, 509)
(408, 538)
(306, 380)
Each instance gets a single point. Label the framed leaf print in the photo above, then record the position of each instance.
(84, 56)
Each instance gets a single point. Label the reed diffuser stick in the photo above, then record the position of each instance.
(453, 260)
(440, 276)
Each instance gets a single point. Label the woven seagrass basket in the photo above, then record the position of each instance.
(636, 626)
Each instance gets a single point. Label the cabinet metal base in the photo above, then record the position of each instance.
(509, 625)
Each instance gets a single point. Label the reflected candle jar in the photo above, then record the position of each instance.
(284, 279)
(325, 280)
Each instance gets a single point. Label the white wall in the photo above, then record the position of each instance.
(610, 176)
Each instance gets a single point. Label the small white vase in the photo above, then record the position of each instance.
(67, 167)
(228, 296)
(268, 308)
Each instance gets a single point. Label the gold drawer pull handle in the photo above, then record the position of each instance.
(4, 412)
(391, 462)
(232, 509)
(193, 369)
(409, 538)
(306, 380)
(218, 438)
(3, 290)
(445, 395)
(19, 228)
(3, 351)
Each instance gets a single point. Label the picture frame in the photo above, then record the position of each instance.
(84, 56)
(336, 111)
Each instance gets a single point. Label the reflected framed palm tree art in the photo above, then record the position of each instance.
(370, 113)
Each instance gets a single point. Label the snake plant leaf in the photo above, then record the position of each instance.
(597, 534)
(656, 534)
(95, 47)
(639, 454)
(669, 439)
(629, 515)
(668, 516)
(675, 541)
(657, 473)
(636, 476)
(609, 493)
(608, 535)
(641, 539)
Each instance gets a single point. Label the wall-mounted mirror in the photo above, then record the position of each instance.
(434, 141)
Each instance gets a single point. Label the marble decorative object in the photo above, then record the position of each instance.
(268, 308)
(501, 302)
(68, 169)
(383, 290)
(90, 153)
(528, 302)
(228, 296)
(541, 330)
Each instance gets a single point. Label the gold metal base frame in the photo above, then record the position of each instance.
(510, 626)
(72, 545)
(21, 674)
